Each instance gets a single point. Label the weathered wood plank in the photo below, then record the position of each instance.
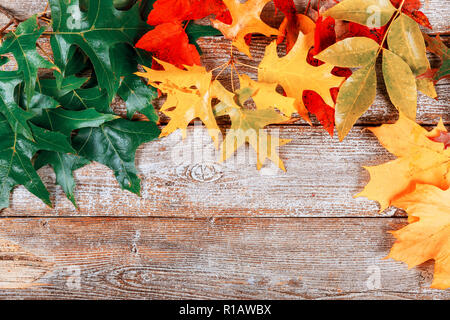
(206, 258)
(436, 10)
(184, 179)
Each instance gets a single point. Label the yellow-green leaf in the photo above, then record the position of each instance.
(355, 97)
(406, 40)
(350, 52)
(426, 86)
(400, 84)
(371, 13)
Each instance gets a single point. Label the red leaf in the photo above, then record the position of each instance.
(358, 30)
(444, 137)
(181, 10)
(169, 42)
(411, 8)
(323, 112)
(325, 35)
(290, 27)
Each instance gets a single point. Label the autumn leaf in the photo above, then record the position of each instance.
(171, 11)
(189, 95)
(296, 75)
(169, 42)
(247, 127)
(246, 20)
(362, 11)
(420, 161)
(266, 96)
(427, 236)
(437, 46)
(411, 8)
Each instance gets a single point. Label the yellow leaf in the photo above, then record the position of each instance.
(295, 75)
(420, 161)
(246, 20)
(427, 237)
(265, 96)
(189, 95)
(247, 126)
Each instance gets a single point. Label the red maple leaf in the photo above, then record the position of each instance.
(323, 112)
(358, 30)
(169, 42)
(444, 137)
(182, 10)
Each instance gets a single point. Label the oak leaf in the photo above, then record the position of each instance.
(296, 75)
(246, 20)
(427, 236)
(420, 161)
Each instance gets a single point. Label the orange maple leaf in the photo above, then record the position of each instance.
(427, 237)
(420, 161)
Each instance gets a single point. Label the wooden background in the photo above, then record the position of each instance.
(203, 229)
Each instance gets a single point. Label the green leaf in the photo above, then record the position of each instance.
(71, 97)
(22, 44)
(64, 165)
(16, 167)
(15, 115)
(400, 84)
(50, 140)
(97, 33)
(371, 13)
(114, 144)
(65, 121)
(136, 94)
(197, 31)
(355, 96)
(405, 40)
(350, 52)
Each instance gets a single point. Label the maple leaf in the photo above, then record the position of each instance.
(189, 95)
(437, 46)
(323, 112)
(247, 127)
(411, 8)
(359, 30)
(420, 161)
(427, 236)
(296, 75)
(165, 11)
(246, 20)
(22, 44)
(169, 42)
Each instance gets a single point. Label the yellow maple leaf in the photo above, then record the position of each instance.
(427, 237)
(420, 161)
(189, 96)
(247, 126)
(265, 96)
(295, 74)
(246, 20)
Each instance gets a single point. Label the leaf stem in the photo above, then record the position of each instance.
(397, 13)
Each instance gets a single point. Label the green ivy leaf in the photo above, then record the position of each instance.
(197, 31)
(114, 144)
(400, 84)
(22, 44)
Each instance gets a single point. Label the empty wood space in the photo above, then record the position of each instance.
(205, 229)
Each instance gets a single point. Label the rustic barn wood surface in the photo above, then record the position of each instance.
(204, 229)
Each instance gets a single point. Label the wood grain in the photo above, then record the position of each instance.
(184, 179)
(159, 258)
